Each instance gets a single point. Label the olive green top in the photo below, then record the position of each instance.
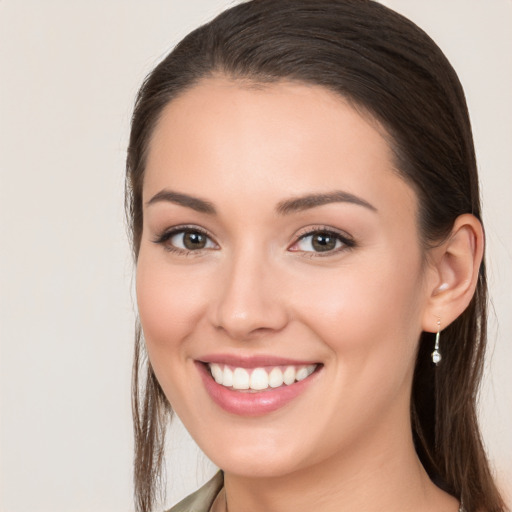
(202, 500)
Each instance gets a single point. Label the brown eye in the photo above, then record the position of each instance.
(323, 241)
(186, 240)
(193, 240)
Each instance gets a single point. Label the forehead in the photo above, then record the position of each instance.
(226, 136)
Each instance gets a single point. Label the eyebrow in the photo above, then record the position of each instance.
(197, 204)
(286, 207)
(306, 202)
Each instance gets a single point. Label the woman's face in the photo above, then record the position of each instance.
(280, 251)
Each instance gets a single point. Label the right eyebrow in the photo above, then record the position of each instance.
(195, 203)
(306, 202)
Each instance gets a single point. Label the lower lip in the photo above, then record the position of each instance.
(252, 403)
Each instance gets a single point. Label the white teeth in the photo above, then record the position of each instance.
(240, 379)
(275, 379)
(302, 374)
(217, 373)
(259, 378)
(227, 379)
(289, 375)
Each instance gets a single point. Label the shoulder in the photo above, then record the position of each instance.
(202, 499)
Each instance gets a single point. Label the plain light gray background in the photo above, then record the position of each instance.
(69, 72)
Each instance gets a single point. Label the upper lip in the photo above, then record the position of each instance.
(253, 361)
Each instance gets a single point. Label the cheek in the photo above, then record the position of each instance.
(371, 325)
(365, 315)
(169, 303)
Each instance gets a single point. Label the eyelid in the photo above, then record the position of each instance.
(346, 239)
(168, 233)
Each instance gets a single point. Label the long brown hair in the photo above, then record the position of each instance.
(385, 65)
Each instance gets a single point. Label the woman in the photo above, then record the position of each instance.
(304, 204)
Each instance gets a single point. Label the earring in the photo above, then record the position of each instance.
(436, 355)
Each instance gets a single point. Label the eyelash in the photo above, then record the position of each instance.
(164, 238)
(346, 241)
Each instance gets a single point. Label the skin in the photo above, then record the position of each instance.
(258, 288)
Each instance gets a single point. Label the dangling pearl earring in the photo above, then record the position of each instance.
(436, 355)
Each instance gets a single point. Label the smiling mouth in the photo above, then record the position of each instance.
(261, 378)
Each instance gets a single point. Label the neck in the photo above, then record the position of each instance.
(383, 473)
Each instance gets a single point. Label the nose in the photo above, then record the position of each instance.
(250, 300)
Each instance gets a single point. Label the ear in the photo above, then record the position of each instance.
(453, 273)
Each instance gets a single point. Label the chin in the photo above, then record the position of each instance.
(265, 458)
(259, 466)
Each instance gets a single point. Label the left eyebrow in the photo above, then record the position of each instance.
(298, 204)
(195, 203)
